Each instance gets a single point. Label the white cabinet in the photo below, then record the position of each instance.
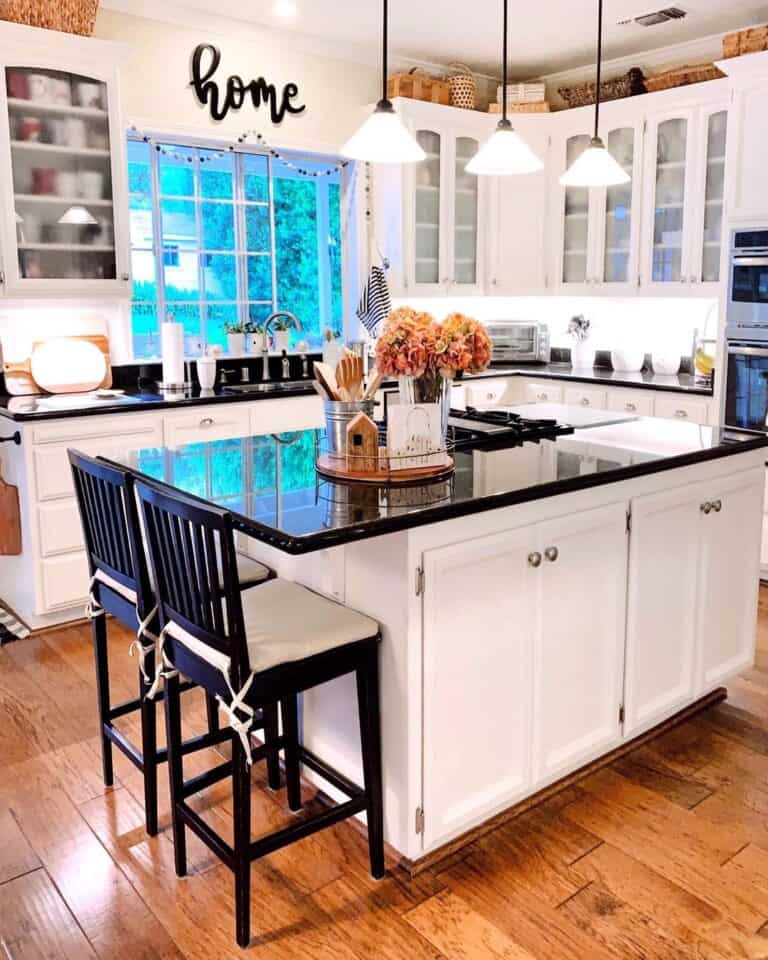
(62, 166)
(487, 393)
(692, 595)
(584, 396)
(579, 639)
(631, 401)
(215, 422)
(677, 406)
(290, 413)
(542, 392)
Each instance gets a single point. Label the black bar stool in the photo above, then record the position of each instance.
(121, 585)
(253, 650)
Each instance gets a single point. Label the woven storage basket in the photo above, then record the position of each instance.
(682, 76)
(463, 87)
(69, 16)
(628, 84)
(753, 40)
(417, 84)
(542, 107)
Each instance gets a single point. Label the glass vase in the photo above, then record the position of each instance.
(426, 390)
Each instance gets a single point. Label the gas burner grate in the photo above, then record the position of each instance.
(496, 429)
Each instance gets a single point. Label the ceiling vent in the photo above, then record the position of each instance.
(658, 16)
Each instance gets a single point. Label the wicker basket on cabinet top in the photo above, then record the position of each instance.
(753, 40)
(418, 85)
(682, 76)
(68, 16)
(629, 84)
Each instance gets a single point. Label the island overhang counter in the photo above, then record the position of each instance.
(544, 606)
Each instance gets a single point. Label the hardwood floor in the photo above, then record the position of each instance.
(661, 856)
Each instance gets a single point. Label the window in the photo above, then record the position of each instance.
(229, 241)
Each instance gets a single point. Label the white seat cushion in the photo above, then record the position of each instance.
(285, 622)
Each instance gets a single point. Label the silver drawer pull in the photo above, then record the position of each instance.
(706, 507)
(534, 559)
(207, 422)
(682, 414)
(585, 401)
(717, 505)
(630, 407)
(551, 553)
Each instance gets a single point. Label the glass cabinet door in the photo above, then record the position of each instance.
(714, 191)
(61, 170)
(618, 210)
(465, 214)
(576, 219)
(428, 183)
(669, 206)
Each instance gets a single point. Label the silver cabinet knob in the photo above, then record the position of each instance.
(706, 507)
(125, 276)
(542, 396)
(551, 553)
(584, 401)
(630, 407)
(681, 414)
(717, 505)
(534, 559)
(207, 422)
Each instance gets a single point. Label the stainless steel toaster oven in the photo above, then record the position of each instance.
(516, 341)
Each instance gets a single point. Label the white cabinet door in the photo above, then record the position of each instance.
(579, 644)
(583, 396)
(631, 401)
(748, 172)
(678, 406)
(477, 687)
(709, 210)
(730, 569)
(538, 392)
(661, 610)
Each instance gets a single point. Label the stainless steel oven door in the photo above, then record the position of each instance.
(748, 293)
(746, 387)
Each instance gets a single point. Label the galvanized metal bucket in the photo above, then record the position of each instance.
(338, 415)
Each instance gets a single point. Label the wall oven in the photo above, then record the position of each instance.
(748, 285)
(746, 385)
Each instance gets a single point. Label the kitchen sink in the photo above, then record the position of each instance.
(268, 387)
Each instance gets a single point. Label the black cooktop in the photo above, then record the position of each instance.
(493, 429)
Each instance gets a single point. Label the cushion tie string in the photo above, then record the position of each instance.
(93, 608)
(163, 667)
(138, 645)
(241, 727)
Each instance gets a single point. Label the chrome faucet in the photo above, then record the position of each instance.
(265, 348)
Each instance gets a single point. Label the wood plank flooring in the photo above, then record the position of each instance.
(661, 856)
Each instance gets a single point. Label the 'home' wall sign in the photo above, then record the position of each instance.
(220, 99)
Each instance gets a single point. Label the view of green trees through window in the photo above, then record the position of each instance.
(229, 241)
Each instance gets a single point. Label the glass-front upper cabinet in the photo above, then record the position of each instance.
(711, 240)
(63, 182)
(576, 233)
(465, 220)
(619, 231)
(427, 225)
(670, 208)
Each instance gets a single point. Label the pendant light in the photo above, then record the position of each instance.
(383, 137)
(505, 152)
(79, 216)
(595, 167)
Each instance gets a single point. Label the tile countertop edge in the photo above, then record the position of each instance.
(297, 546)
(554, 372)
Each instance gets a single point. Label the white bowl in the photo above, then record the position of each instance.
(665, 364)
(627, 359)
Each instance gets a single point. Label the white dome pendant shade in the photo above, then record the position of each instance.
(505, 153)
(595, 167)
(383, 138)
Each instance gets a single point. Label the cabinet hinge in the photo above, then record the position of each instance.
(629, 521)
(621, 713)
(419, 581)
(419, 820)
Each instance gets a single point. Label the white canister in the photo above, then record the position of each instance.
(61, 91)
(91, 184)
(67, 184)
(627, 359)
(236, 344)
(666, 364)
(206, 372)
(39, 87)
(76, 133)
(89, 95)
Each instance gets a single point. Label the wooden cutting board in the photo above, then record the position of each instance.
(10, 520)
(24, 368)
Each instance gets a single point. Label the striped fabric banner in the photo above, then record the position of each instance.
(375, 302)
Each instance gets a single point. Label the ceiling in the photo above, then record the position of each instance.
(545, 37)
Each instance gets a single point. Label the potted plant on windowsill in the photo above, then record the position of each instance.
(281, 334)
(254, 337)
(235, 337)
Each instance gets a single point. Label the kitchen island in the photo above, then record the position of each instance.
(543, 606)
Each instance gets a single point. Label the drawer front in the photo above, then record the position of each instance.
(488, 393)
(65, 581)
(205, 424)
(628, 401)
(53, 474)
(83, 428)
(543, 393)
(585, 397)
(674, 406)
(283, 416)
(60, 528)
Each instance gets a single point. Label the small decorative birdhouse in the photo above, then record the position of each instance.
(362, 445)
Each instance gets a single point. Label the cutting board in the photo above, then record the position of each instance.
(10, 520)
(20, 379)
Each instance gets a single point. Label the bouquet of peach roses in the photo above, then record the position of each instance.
(413, 344)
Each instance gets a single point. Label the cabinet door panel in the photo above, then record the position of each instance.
(661, 614)
(477, 684)
(730, 577)
(578, 654)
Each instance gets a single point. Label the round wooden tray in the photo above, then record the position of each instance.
(334, 468)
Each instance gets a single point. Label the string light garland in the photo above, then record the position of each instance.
(242, 139)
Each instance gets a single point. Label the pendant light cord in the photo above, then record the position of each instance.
(599, 65)
(504, 71)
(385, 57)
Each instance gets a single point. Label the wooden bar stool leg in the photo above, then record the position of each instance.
(149, 748)
(175, 770)
(370, 738)
(212, 709)
(290, 711)
(271, 733)
(99, 631)
(241, 790)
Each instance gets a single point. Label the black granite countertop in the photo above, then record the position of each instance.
(646, 380)
(270, 485)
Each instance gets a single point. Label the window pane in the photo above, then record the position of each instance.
(187, 314)
(177, 177)
(259, 278)
(216, 176)
(146, 332)
(227, 468)
(182, 280)
(179, 222)
(334, 252)
(257, 234)
(140, 216)
(258, 313)
(255, 172)
(218, 315)
(296, 251)
(144, 277)
(139, 169)
(218, 226)
(220, 276)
